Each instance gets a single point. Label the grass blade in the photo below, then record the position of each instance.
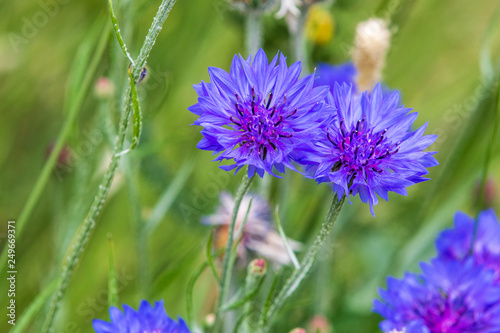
(189, 292)
(168, 197)
(112, 283)
(210, 259)
(35, 307)
(228, 260)
(293, 258)
(118, 34)
(44, 176)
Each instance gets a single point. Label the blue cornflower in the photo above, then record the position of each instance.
(145, 320)
(327, 74)
(369, 148)
(455, 243)
(258, 113)
(448, 297)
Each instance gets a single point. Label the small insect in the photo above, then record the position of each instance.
(143, 74)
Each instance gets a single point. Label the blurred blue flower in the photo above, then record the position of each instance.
(327, 74)
(368, 148)
(258, 113)
(448, 297)
(455, 243)
(145, 320)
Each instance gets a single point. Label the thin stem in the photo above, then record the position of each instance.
(289, 249)
(228, 263)
(253, 33)
(89, 222)
(44, 176)
(34, 308)
(491, 145)
(298, 275)
(298, 40)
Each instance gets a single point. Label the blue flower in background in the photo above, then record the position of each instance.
(327, 74)
(259, 113)
(145, 320)
(368, 148)
(455, 243)
(448, 297)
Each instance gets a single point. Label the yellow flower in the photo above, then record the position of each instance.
(319, 25)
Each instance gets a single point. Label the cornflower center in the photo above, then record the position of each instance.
(261, 126)
(361, 149)
(443, 318)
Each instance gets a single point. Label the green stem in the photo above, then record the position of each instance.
(89, 222)
(253, 32)
(298, 275)
(484, 178)
(32, 310)
(228, 263)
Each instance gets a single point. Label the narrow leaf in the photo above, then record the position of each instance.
(267, 304)
(244, 299)
(285, 240)
(116, 27)
(137, 116)
(210, 259)
(189, 292)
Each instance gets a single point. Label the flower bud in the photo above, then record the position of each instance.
(319, 324)
(490, 193)
(209, 321)
(371, 44)
(104, 88)
(298, 330)
(64, 158)
(257, 267)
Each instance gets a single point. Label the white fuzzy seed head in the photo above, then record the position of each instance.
(371, 44)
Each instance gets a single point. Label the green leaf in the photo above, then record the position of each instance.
(285, 241)
(242, 300)
(210, 259)
(189, 292)
(119, 37)
(268, 302)
(137, 115)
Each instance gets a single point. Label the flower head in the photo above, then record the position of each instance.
(146, 319)
(371, 44)
(258, 113)
(448, 297)
(258, 234)
(369, 147)
(455, 243)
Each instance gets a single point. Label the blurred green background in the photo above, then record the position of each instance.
(434, 61)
